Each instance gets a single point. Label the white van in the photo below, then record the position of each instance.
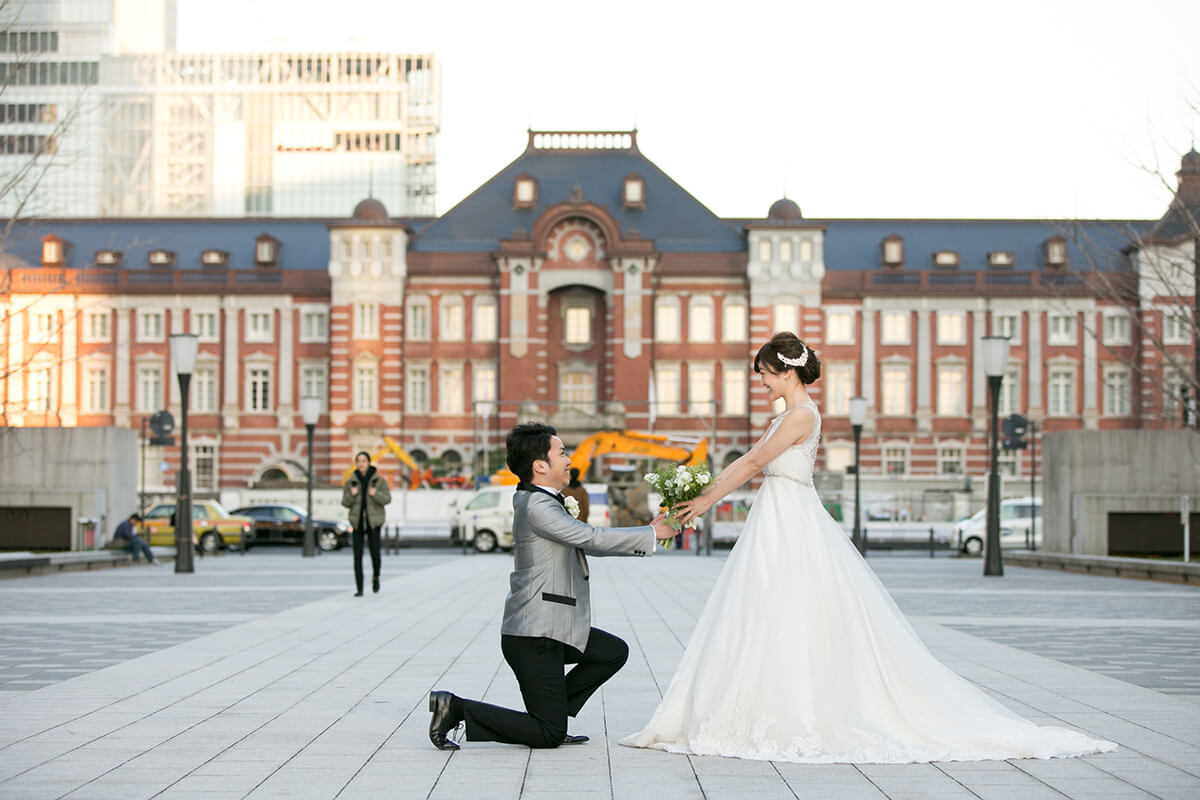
(1017, 515)
(485, 520)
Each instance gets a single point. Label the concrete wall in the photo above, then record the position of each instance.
(91, 470)
(1090, 473)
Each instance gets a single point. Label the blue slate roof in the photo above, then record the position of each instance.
(855, 244)
(672, 218)
(304, 242)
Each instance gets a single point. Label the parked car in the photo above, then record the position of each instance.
(213, 528)
(284, 524)
(485, 520)
(1017, 515)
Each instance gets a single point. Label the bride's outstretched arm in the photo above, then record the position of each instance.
(794, 429)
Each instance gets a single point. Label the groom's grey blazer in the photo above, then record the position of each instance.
(548, 588)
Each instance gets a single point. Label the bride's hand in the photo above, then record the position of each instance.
(689, 510)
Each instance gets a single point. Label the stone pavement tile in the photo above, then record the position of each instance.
(768, 787)
(102, 789)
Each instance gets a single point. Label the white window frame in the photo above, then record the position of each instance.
(839, 388)
(365, 386)
(366, 319)
(950, 453)
(1010, 391)
(895, 327)
(1172, 386)
(417, 392)
(452, 319)
(735, 320)
(890, 454)
(41, 381)
(91, 394)
(148, 331)
(1013, 331)
(701, 320)
(666, 319)
(1117, 401)
(260, 326)
(951, 327)
(1175, 328)
(90, 320)
(839, 457)
(314, 381)
(1071, 371)
(201, 450)
(256, 401)
(892, 405)
(566, 388)
(485, 322)
(667, 376)
(451, 397)
(1066, 337)
(839, 326)
(314, 324)
(1118, 328)
(146, 371)
(735, 389)
(417, 315)
(484, 385)
(571, 323)
(42, 326)
(701, 379)
(947, 383)
(205, 332)
(211, 370)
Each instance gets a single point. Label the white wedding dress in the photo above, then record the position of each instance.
(801, 655)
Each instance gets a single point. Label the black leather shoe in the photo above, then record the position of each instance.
(375, 584)
(569, 739)
(442, 722)
(358, 593)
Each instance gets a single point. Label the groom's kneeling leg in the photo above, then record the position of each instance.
(604, 656)
(538, 665)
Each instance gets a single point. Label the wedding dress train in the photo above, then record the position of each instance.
(801, 655)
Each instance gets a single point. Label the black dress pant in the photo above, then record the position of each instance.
(373, 542)
(550, 696)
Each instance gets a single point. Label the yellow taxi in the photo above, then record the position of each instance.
(213, 528)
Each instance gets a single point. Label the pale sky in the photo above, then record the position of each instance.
(854, 109)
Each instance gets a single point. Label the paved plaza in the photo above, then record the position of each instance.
(260, 676)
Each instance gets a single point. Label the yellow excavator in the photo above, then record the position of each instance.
(626, 443)
(416, 477)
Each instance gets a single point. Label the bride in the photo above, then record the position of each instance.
(800, 654)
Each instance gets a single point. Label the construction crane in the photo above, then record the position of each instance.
(416, 476)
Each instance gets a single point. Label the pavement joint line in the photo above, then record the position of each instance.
(240, 700)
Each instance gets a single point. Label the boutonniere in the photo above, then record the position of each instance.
(572, 506)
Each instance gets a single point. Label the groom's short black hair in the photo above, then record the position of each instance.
(527, 443)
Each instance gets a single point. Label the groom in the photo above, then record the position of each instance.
(547, 616)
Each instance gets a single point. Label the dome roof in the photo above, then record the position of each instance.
(371, 209)
(1190, 162)
(784, 210)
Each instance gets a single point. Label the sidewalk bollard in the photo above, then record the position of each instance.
(931, 542)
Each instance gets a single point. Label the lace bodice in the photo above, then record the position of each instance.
(796, 462)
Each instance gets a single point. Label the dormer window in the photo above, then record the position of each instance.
(161, 258)
(635, 191)
(1056, 251)
(53, 251)
(525, 192)
(1001, 258)
(109, 258)
(893, 251)
(214, 258)
(945, 258)
(266, 250)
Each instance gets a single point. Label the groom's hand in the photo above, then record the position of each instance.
(662, 530)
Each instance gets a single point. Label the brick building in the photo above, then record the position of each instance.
(581, 284)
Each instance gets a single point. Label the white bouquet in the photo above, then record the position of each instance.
(572, 506)
(678, 484)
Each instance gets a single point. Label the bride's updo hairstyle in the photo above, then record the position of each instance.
(785, 351)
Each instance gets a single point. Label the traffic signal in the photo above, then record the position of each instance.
(1014, 428)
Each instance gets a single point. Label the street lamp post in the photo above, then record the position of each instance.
(858, 414)
(183, 358)
(995, 360)
(310, 411)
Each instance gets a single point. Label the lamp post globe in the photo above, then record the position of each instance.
(184, 347)
(310, 412)
(858, 415)
(994, 352)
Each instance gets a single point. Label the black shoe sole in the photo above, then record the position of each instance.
(446, 743)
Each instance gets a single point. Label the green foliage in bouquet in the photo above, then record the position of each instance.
(678, 484)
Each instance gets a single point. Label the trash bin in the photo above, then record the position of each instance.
(87, 533)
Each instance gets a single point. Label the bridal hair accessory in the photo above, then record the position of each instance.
(795, 362)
